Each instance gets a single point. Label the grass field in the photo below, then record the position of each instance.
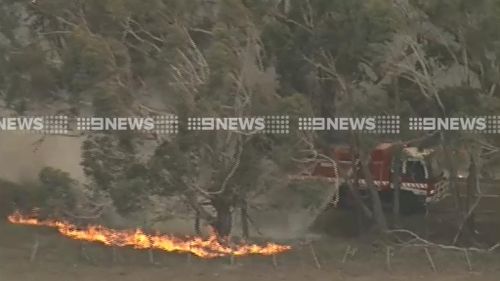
(59, 259)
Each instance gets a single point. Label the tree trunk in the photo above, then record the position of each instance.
(354, 189)
(358, 199)
(396, 183)
(223, 221)
(471, 188)
(453, 178)
(377, 204)
(378, 212)
(396, 175)
(197, 223)
(244, 219)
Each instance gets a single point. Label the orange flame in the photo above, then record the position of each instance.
(205, 248)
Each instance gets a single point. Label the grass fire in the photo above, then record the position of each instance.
(211, 247)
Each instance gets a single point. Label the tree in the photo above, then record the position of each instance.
(330, 45)
(244, 58)
(204, 62)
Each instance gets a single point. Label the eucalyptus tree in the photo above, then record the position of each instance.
(186, 58)
(326, 50)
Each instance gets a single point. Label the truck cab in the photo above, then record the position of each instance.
(422, 182)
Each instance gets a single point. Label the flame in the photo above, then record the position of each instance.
(210, 247)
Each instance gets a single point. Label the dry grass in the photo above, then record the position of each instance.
(59, 260)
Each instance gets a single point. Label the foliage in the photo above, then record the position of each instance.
(57, 191)
(242, 58)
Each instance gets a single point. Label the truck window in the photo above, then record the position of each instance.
(436, 168)
(415, 171)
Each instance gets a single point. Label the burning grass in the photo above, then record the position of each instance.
(211, 247)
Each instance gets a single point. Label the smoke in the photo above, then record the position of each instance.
(289, 211)
(293, 211)
(24, 155)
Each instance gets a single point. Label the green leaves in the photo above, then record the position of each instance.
(57, 189)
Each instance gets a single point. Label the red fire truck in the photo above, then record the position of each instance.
(422, 182)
